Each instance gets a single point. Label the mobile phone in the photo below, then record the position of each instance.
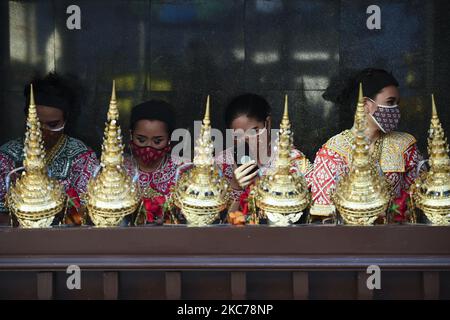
(241, 159)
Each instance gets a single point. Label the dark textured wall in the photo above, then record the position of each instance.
(183, 50)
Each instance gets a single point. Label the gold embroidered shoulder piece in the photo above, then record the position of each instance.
(341, 144)
(394, 146)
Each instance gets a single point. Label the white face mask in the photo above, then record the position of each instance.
(260, 132)
(56, 129)
(241, 135)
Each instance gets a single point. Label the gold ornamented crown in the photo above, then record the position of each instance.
(431, 191)
(282, 195)
(362, 195)
(202, 193)
(111, 195)
(35, 198)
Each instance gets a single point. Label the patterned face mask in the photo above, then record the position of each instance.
(148, 154)
(386, 117)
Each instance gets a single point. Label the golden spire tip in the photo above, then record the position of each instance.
(113, 94)
(31, 95)
(207, 109)
(433, 107)
(360, 95)
(285, 114)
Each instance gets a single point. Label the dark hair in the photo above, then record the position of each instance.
(54, 91)
(250, 105)
(153, 110)
(343, 88)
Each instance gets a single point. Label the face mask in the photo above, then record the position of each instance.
(260, 132)
(240, 135)
(386, 117)
(56, 129)
(148, 154)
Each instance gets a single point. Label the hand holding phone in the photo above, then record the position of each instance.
(245, 173)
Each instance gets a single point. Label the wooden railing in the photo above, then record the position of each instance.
(225, 262)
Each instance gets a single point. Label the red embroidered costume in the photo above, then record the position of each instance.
(395, 153)
(71, 162)
(159, 180)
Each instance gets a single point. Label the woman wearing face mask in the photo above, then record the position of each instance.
(394, 153)
(68, 159)
(249, 116)
(151, 126)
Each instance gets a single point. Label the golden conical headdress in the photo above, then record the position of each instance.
(285, 140)
(437, 142)
(203, 156)
(282, 195)
(35, 199)
(202, 193)
(362, 195)
(432, 189)
(111, 195)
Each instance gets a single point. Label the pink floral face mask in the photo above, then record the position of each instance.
(386, 117)
(148, 154)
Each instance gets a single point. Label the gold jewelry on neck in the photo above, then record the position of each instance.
(51, 154)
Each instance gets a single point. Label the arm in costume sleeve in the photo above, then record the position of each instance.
(225, 163)
(300, 163)
(6, 166)
(412, 158)
(328, 166)
(81, 171)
